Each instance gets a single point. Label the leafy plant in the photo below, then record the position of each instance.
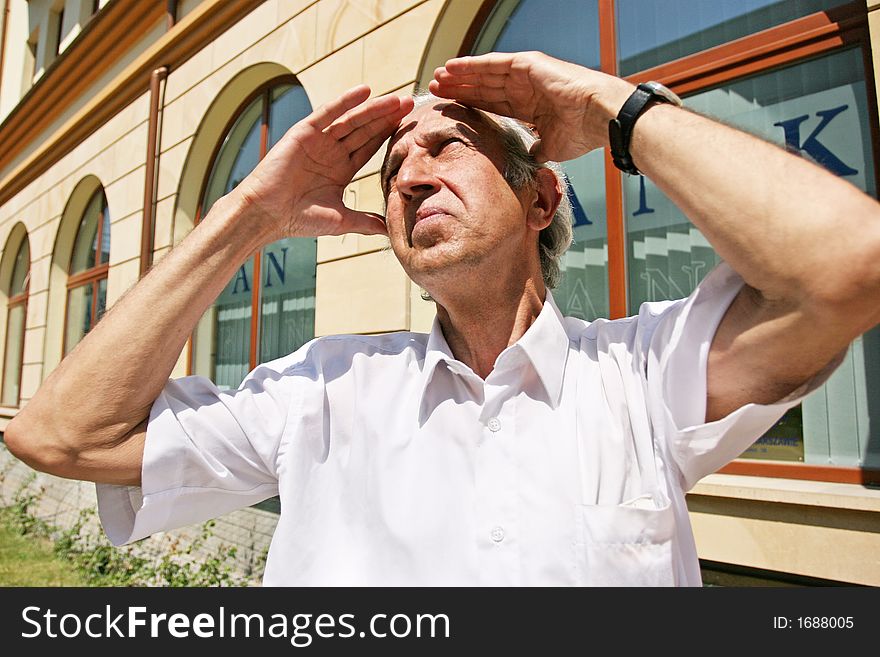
(83, 544)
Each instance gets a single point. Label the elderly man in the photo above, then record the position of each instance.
(511, 445)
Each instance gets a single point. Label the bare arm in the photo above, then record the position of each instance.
(807, 248)
(88, 419)
(806, 243)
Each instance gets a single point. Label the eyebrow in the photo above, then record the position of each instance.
(434, 136)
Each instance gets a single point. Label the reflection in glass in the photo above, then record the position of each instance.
(20, 270)
(287, 318)
(289, 105)
(819, 109)
(86, 246)
(13, 354)
(79, 315)
(232, 329)
(237, 157)
(583, 291)
(656, 32)
(566, 30)
(569, 31)
(15, 325)
(91, 250)
(286, 289)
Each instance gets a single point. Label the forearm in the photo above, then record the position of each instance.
(792, 230)
(105, 387)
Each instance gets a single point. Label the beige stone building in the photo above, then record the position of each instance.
(121, 121)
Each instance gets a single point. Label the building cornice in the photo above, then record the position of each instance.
(111, 34)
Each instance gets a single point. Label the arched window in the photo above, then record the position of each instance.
(89, 263)
(15, 324)
(268, 308)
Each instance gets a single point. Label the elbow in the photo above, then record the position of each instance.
(30, 445)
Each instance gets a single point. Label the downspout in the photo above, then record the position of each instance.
(3, 40)
(152, 167)
(170, 14)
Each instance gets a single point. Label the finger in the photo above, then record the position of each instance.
(382, 110)
(493, 62)
(537, 152)
(363, 154)
(471, 91)
(365, 223)
(382, 126)
(329, 112)
(444, 77)
(492, 101)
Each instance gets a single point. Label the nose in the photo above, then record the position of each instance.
(416, 177)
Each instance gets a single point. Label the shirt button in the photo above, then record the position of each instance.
(494, 424)
(497, 534)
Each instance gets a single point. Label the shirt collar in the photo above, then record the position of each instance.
(545, 343)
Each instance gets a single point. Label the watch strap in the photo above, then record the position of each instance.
(620, 129)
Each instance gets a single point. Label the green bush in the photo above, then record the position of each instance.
(86, 547)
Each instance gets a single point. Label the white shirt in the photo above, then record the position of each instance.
(396, 465)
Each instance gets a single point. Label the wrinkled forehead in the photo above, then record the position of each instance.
(438, 115)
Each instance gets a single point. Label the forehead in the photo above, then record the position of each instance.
(440, 116)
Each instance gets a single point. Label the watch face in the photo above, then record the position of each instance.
(664, 92)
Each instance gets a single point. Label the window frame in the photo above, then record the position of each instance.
(263, 91)
(20, 299)
(820, 33)
(93, 275)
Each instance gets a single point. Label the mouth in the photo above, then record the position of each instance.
(428, 212)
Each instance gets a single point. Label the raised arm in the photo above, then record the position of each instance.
(806, 243)
(88, 419)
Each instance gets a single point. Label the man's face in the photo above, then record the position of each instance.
(449, 208)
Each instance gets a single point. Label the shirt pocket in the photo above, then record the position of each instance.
(624, 545)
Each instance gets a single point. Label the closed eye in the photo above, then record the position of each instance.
(448, 142)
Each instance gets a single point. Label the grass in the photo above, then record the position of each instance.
(30, 561)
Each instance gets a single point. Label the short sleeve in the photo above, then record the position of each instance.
(677, 363)
(207, 452)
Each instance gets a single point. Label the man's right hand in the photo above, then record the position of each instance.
(297, 189)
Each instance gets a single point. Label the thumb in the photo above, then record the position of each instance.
(365, 223)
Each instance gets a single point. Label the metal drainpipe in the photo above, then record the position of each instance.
(151, 179)
(170, 14)
(3, 40)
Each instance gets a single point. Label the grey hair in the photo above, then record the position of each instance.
(521, 170)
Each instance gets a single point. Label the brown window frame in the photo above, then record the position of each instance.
(93, 275)
(264, 91)
(816, 34)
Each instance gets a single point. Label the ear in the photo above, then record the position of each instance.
(547, 196)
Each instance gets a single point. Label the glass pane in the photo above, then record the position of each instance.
(12, 358)
(583, 291)
(79, 315)
(101, 304)
(289, 104)
(20, 270)
(287, 319)
(237, 157)
(656, 32)
(105, 231)
(221, 350)
(569, 31)
(819, 109)
(86, 245)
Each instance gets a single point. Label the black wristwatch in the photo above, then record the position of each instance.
(620, 129)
